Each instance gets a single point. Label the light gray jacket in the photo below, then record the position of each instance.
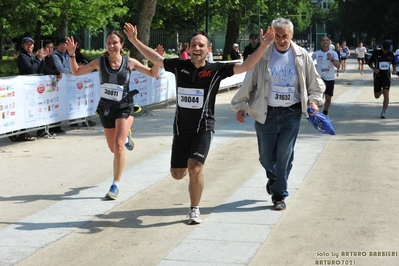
(253, 94)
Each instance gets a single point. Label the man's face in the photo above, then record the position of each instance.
(198, 48)
(62, 47)
(49, 48)
(283, 38)
(28, 46)
(325, 43)
(254, 41)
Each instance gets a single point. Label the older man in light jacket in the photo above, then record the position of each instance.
(275, 93)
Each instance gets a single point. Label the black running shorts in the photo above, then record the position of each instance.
(193, 145)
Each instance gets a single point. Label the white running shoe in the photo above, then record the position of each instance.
(113, 193)
(194, 216)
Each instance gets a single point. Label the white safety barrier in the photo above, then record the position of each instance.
(29, 103)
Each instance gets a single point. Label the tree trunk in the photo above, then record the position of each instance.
(38, 34)
(143, 22)
(1, 47)
(232, 33)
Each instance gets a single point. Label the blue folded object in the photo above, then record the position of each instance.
(320, 122)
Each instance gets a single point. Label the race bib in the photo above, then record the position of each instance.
(190, 98)
(383, 66)
(343, 54)
(113, 92)
(281, 96)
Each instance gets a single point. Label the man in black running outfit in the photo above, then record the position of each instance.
(380, 62)
(197, 83)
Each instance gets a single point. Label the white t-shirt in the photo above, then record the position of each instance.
(361, 51)
(284, 85)
(324, 66)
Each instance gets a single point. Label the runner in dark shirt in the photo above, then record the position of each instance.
(381, 61)
(197, 84)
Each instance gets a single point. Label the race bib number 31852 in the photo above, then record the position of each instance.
(190, 97)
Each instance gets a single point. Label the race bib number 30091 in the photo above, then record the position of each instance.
(112, 92)
(190, 97)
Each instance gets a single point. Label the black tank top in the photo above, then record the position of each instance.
(119, 76)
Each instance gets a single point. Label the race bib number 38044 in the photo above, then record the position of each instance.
(190, 97)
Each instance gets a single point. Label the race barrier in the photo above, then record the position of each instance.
(33, 102)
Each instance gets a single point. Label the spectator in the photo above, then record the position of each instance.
(60, 56)
(234, 54)
(184, 52)
(29, 64)
(252, 46)
(209, 56)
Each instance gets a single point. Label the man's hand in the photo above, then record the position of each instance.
(314, 107)
(268, 37)
(240, 116)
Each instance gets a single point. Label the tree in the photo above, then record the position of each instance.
(144, 18)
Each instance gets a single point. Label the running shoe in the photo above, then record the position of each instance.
(112, 193)
(129, 144)
(279, 203)
(361, 72)
(382, 115)
(194, 216)
(137, 109)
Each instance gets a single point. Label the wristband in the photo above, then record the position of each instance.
(72, 56)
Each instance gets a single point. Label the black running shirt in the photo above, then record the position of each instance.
(383, 62)
(196, 91)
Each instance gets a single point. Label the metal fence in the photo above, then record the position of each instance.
(171, 41)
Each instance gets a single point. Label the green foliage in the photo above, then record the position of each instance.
(8, 66)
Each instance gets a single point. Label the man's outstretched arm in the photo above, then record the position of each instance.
(149, 53)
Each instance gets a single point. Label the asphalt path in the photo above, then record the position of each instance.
(342, 206)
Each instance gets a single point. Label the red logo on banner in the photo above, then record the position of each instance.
(40, 89)
(80, 85)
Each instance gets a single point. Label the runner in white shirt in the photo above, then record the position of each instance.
(327, 61)
(360, 55)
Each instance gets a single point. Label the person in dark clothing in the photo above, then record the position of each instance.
(252, 46)
(234, 54)
(380, 62)
(28, 64)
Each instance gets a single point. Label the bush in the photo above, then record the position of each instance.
(8, 66)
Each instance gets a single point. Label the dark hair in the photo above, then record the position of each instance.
(203, 33)
(47, 41)
(60, 40)
(121, 39)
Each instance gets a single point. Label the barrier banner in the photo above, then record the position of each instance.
(33, 101)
